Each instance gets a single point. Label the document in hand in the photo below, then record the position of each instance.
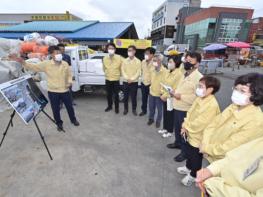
(167, 88)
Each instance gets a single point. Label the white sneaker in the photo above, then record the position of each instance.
(166, 135)
(162, 131)
(188, 180)
(183, 170)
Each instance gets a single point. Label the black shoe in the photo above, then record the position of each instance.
(75, 123)
(142, 113)
(180, 158)
(150, 122)
(157, 125)
(117, 111)
(134, 112)
(125, 112)
(59, 128)
(173, 146)
(108, 109)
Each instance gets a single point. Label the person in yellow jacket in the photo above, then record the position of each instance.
(239, 174)
(155, 101)
(204, 109)
(131, 71)
(112, 69)
(240, 122)
(59, 80)
(147, 68)
(172, 77)
(184, 96)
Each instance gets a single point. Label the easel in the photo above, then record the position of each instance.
(10, 123)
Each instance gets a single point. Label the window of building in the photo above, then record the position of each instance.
(230, 29)
(164, 20)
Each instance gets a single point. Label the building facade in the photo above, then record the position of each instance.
(217, 25)
(15, 19)
(164, 18)
(256, 31)
(183, 13)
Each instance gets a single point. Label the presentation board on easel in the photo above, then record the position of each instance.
(27, 100)
(24, 96)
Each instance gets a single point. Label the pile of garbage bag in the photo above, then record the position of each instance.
(34, 49)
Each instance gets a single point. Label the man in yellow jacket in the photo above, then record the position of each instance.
(147, 68)
(184, 96)
(155, 101)
(112, 69)
(59, 79)
(240, 122)
(204, 109)
(239, 174)
(131, 71)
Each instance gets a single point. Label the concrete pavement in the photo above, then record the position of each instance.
(107, 156)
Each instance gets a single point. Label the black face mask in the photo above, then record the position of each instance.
(188, 66)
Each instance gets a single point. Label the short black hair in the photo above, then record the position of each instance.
(51, 49)
(255, 83)
(211, 82)
(132, 47)
(177, 60)
(111, 44)
(196, 56)
(61, 45)
(151, 50)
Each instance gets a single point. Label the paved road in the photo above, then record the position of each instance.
(107, 156)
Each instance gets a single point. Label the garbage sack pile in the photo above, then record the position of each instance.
(34, 48)
(9, 46)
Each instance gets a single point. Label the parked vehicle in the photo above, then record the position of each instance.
(87, 69)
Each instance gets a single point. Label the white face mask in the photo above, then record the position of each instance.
(155, 64)
(58, 57)
(183, 59)
(130, 54)
(239, 99)
(200, 92)
(146, 57)
(111, 51)
(171, 66)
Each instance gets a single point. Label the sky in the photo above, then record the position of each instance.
(137, 11)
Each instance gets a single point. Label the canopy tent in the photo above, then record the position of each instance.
(238, 45)
(214, 47)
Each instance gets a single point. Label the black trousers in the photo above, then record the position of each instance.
(113, 88)
(145, 94)
(55, 100)
(168, 119)
(130, 90)
(194, 159)
(178, 121)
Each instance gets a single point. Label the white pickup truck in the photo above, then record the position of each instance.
(87, 68)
